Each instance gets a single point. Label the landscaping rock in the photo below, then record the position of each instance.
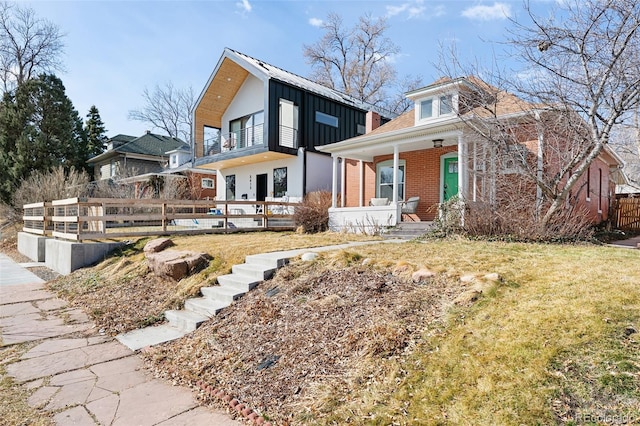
(308, 257)
(422, 275)
(177, 264)
(494, 276)
(467, 297)
(469, 278)
(157, 245)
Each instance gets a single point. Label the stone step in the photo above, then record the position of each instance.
(143, 337)
(271, 260)
(259, 272)
(185, 320)
(222, 293)
(240, 282)
(204, 306)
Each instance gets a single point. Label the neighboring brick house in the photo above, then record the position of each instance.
(431, 153)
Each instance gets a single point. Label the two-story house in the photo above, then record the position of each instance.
(258, 127)
(430, 154)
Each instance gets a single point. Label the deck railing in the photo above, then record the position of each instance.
(80, 219)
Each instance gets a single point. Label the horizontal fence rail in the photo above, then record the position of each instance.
(80, 219)
(627, 214)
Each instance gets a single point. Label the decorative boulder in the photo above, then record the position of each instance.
(177, 264)
(422, 275)
(308, 257)
(157, 245)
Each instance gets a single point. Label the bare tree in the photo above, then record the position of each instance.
(358, 61)
(626, 143)
(580, 77)
(168, 109)
(28, 45)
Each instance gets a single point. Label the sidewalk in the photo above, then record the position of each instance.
(78, 376)
(633, 242)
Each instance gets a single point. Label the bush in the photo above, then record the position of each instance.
(51, 185)
(313, 213)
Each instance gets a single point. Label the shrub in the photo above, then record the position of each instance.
(51, 185)
(313, 213)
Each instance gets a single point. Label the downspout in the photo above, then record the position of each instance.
(334, 182)
(539, 167)
(361, 188)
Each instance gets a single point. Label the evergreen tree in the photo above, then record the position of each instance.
(94, 128)
(39, 130)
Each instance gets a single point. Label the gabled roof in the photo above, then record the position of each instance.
(147, 144)
(266, 71)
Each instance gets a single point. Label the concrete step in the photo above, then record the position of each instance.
(259, 272)
(274, 260)
(222, 293)
(240, 282)
(204, 306)
(185, 320)
(143, 337)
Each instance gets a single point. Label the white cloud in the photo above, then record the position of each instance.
(315, 22)
(245, 6)
(488, 13)
(414, 9)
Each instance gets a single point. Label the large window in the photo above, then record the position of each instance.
(384, 180)
(446, 104)
(280, 182)
(246, 131)
(327, 119)
(211, 140)
(288, 124)
(231, 187)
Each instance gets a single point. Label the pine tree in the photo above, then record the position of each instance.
(39, 130)
(94, 128)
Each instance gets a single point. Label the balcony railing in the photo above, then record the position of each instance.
(248, 137)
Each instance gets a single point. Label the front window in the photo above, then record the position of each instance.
(280, 182)
(231, 187)
(207, 183)
(384, 180)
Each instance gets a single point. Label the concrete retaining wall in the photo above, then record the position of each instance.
(65, 257)
(32, 246)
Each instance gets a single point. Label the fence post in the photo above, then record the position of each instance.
(164, 217)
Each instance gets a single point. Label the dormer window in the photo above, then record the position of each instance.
(435, 107)
(426, 109)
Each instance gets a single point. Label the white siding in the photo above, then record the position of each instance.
(249, 99)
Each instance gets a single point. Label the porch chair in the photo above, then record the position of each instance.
(410, 206)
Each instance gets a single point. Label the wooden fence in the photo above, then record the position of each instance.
(627, 214)
(80, 219)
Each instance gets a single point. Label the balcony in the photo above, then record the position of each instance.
(239, 139)
(246, 138)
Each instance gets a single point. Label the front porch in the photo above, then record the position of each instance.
(371, 187)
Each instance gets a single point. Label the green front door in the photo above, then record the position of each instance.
(450, 181)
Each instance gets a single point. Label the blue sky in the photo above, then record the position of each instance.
(114, 49)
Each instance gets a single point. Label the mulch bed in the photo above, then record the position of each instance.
(307, 331)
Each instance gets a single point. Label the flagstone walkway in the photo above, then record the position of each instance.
(78, 376)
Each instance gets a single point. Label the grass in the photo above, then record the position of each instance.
(555, 344)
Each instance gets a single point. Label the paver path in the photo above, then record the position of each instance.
(78, 376)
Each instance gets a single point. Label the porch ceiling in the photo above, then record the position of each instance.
(367, 153)
(245, 160)
(220, 93)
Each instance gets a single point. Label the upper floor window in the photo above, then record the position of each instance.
(426, 109)
(327, 119)
(436, 107)
(246, 131)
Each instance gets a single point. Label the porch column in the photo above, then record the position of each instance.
(343, 169)
(334, 183)
(462, 168)
(361, 188)
(395, 174)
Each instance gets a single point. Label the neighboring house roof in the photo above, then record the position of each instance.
(627, 189)
(267, 71)
(148, 144)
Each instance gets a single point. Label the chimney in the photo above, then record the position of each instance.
(372, 121)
